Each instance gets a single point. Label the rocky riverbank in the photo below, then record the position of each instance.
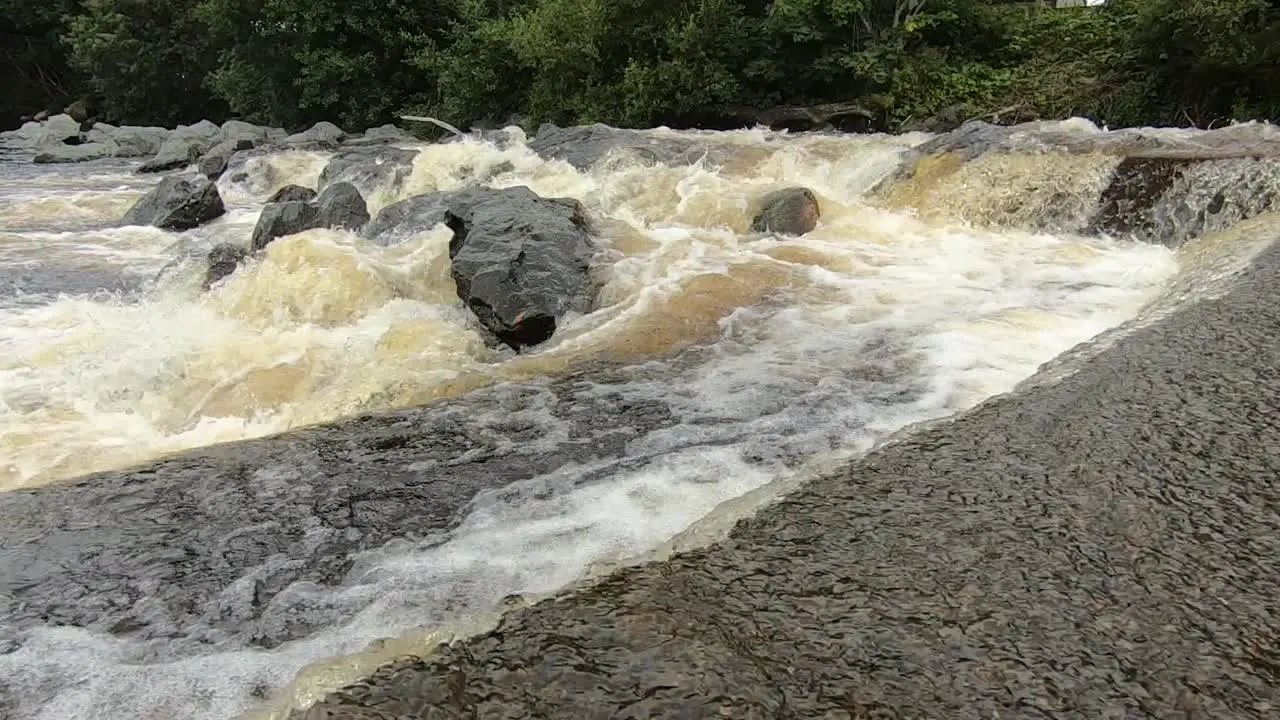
(1103, 544)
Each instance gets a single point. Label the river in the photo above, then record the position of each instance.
(768, 358)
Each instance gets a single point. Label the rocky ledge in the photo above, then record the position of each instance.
(1104, 546)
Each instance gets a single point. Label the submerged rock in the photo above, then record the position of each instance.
(520, 261)
(223, 260)
(177, 203)
(369, 168)
(790, 211)
(292, 193)
(339, 206)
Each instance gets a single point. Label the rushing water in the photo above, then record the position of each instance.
(778, 352)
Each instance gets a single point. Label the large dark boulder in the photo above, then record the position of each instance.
(177, 203)
(520, 261)
(223, 260)
(369, 168)
(790, 211)
(292, 193)
(413, 216)
(342, 206)
(339, 206)
(281, 220)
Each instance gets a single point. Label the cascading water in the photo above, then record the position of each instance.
(910, 301)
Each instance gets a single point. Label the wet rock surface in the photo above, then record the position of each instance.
(177, 203)
(369, 168)
(223, 260)
(520, 261)
(339, 206)
(1168, 186)
(281, 220)
(1103, 546)
(583, 146)
(181, 147)
(214, 162)
(402, 220)
(196, 547)
(292, 193)
(1173, 200)
(790, 211)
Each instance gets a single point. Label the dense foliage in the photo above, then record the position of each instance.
(643, 62)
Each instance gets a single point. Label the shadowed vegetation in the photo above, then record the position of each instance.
(905, 63)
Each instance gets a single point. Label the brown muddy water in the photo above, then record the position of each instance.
(915, 298)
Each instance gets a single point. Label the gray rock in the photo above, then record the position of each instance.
(342, 206)
(234, 130)
(292, 193)
(339, 206)
(76, 153)
(790, 211)
(381, 135)
(137, 141)
(223, 260)
(205, 129)
(322, 134)
(281, 220)
(28, 134)
(584, 146)
(181, 148)
(408, 218)
(101, 133)
(369, 169)
(214, 162)
(520, 261)
(56, 131)
(184, 531)
(80, 110)
(177, 203)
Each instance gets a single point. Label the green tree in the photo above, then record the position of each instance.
(147, 59)
(347, 61)
(34, 73)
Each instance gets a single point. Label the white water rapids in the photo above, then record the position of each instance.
(102, 367)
